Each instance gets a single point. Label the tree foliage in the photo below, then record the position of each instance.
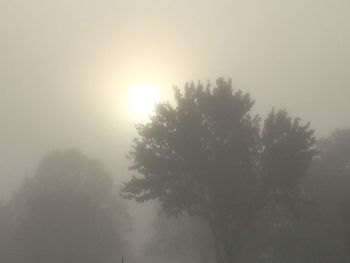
(207, 139)
(288, 151)
(205, 155)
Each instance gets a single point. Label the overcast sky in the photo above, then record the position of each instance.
(66, 67)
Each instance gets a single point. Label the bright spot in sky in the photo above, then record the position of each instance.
(142, 100)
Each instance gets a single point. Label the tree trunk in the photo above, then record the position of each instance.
(225, 250)
(221, 253)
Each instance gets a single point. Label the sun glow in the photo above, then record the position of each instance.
(142, 100)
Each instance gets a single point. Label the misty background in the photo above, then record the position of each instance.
(66, 68)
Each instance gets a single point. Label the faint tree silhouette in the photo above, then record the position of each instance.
(69, 212)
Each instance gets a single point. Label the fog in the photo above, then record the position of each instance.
(67, 68)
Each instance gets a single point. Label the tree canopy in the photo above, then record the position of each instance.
(206, 155)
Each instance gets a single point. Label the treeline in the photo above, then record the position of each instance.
(231, 188)
(267, 190)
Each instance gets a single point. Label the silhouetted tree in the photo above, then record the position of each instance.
(205, 154)
(288, 151)
(69, 212)
(200, 156)
(288, 148)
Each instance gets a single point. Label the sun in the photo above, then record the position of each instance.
(142, 100)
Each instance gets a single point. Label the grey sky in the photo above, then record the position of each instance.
(66, 67)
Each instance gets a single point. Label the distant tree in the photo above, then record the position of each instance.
(329, 178)
(205, 155)
(329, 184)
(69, 212)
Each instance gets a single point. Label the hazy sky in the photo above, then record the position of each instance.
(66, 67)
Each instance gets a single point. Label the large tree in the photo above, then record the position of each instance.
(68, 212)
(199, 156)
(203, 156)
